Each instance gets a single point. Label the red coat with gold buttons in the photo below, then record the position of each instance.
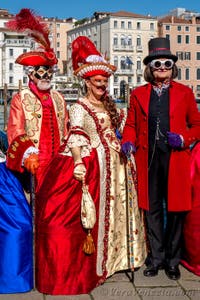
(184, 120)
(37, 119)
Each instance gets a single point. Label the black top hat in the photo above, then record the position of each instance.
(159, 47)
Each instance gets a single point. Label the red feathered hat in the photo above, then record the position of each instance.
(87, 60)
(27, 21)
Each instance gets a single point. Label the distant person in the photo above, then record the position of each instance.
(37, 121)
(163, 120)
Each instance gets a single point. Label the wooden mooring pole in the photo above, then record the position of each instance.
(5, 106)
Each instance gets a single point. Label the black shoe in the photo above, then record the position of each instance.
(151, 271)
(173, 272)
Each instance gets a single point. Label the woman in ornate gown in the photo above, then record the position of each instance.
(91, 152)
(16, 264)
(191, 233)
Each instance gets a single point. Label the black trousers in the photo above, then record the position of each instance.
(164, 229)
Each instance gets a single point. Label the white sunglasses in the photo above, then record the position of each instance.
(158, 64)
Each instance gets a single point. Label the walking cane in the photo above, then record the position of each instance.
(32, 204)
(129, 218)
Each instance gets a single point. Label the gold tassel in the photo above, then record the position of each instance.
(88, 245)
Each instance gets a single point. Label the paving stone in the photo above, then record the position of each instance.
(160, 280)
(33, 295)
(120, 276)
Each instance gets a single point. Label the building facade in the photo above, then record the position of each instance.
(12, 44)
(122, 37)
(184, 35)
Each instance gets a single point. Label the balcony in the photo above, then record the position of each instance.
(139, 72)
(123, 47)
(124, 72)
(18, 42)
(139, 48)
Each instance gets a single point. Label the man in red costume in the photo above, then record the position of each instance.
(38, 117)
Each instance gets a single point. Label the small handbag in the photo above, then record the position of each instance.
(88, 218)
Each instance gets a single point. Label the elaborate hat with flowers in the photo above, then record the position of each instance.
(27, 21)
(87, 60)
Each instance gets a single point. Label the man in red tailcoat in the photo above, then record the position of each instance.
(163, 121)
(38, 118)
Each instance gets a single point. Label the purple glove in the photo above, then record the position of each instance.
(128, 148)
(174, 140)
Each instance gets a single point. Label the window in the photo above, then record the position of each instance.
(187, 39)
(138, 79)
(11, 79)
(58, 25)
(198, 74)
(115, 79)
(123, 63)
(129, 40)
(129, 79)
(115, 92)
(129, 25)
(139, 65)
(151, 26)
(122, 24)
(10, 66)
(179, 74)
(138, 41)
(24, 50)
(198, 29)
(198, 88)
(167, 36)
(179, 39)
(115, 40)
(187, 74)
(198, 39)
(116, 61)
(58, 54)
(186, 28)
(198, 55)
(187, 56)
(58, 35)
(25, 80)
(58, 44)
(11, 52)
(167, 27)
(179, 28)
(123, 40)
(89, 32)
(180, 55)
(138, 25)
(115, 24)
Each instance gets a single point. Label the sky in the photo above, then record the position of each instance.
(80, 9)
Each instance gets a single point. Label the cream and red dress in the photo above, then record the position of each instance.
(62, 268)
